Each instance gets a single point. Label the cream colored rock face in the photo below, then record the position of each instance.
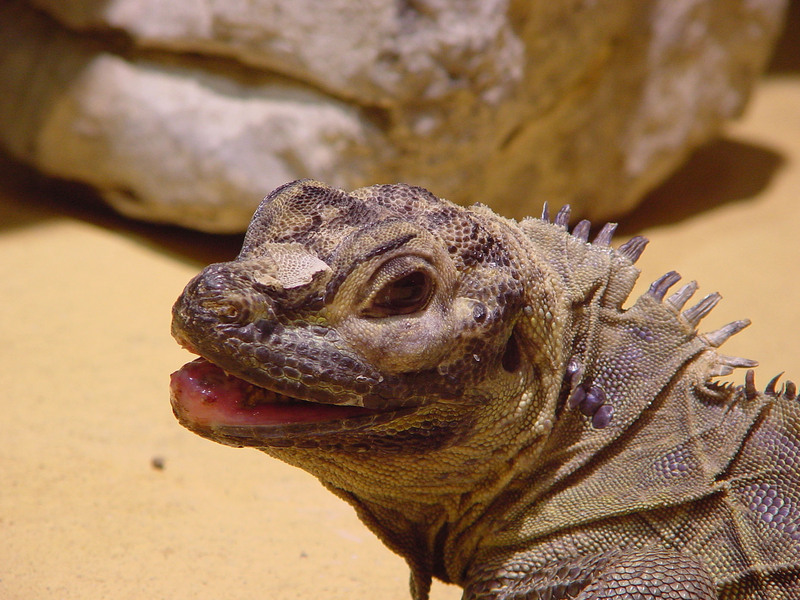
(507, 103)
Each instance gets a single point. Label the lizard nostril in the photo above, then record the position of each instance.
(228, 310)
(213, 292)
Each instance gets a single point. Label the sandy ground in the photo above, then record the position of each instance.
(85, 510)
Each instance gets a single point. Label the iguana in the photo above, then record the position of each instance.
(477, 389)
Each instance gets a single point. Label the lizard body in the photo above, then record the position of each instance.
(477, 390)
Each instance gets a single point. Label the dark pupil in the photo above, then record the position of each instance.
(404, 295)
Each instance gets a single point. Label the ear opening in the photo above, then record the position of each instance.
(511, 360)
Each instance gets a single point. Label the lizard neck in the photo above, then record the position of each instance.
(428, 507)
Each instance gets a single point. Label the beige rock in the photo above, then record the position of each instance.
(167, 142)
(212, 104)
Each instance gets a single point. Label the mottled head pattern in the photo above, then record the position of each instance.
(386, 297)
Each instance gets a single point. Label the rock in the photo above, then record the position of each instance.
(167, 141)
(188, 112)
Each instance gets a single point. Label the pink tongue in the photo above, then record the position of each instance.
(204, 395)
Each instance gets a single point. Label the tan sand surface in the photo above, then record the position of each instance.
(85, 354)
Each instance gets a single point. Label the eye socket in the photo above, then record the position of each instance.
(402, 296)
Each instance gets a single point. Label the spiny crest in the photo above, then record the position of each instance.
(787, 391)
(695, 313)
(632, 249)
(590, 400)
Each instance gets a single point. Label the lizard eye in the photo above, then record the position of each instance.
(402, 296)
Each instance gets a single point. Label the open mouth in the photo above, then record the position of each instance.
(205, 399)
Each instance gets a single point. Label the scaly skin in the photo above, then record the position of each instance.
(474, 388)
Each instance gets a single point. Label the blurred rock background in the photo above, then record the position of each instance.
(190, 111)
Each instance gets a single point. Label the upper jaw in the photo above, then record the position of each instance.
(312, 366)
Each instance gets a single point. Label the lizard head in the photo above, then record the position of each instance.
(353, 321)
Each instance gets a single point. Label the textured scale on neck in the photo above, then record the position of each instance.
(651, 370)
